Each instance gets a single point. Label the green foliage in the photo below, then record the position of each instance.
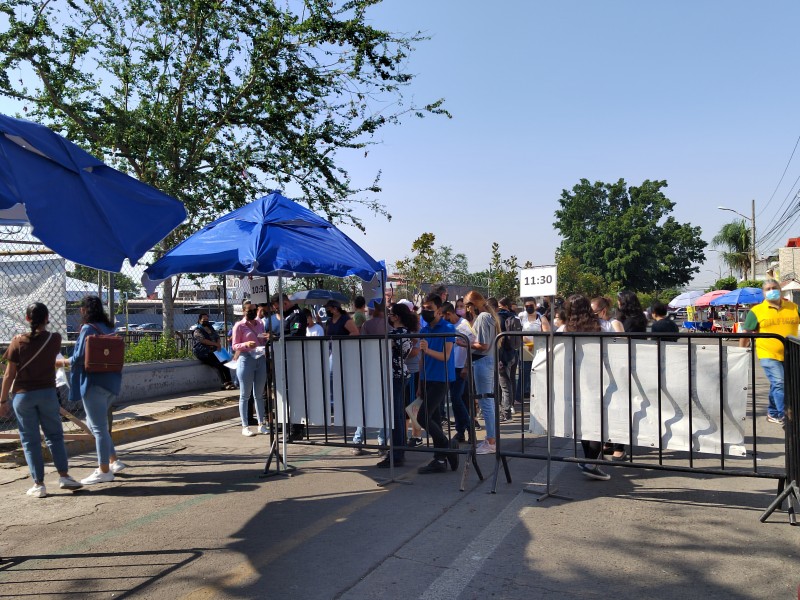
(429, 264)
(735, 238)
(123, 283)
(756, 283)
(215, 103)
(504, 275)
(147, 349)
(626, 234)
(647, 298)
(574, 279)
(726, 283)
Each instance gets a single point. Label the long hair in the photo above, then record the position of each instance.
(38, 315)
(94, 311)
(409, 319)
(631, 309)
(580, 316)
(478, 301)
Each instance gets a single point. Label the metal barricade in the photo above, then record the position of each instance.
(334, 385)
(737, 440)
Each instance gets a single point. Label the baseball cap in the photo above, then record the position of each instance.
(407, 303)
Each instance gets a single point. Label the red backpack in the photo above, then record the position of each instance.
(105, 353)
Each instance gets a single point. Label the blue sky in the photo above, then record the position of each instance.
(702, 94)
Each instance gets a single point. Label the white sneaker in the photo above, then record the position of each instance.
(98, 477)
(68, 483)
(246, 432)
(485, 448)
(117, 466)
(263, 429)
(37, 491)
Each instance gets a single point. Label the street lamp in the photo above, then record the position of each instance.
(752, 234)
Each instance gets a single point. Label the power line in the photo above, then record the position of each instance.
(782, 176)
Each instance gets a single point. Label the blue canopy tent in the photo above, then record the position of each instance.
(272, 236)
(78, 206)
(746, 295)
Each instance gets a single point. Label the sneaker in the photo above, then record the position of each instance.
(357, 451)
(435, 466)
(477, 425)
(68, 483)
(413, 442)
(776, 420)
(384, 464)
(504, 417)
(98, 477)
(117, 466)
(594, 472)
(246, 432)
(262, 429)
(37, 491)
(485, 448)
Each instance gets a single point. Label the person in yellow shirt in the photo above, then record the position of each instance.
(773, 315)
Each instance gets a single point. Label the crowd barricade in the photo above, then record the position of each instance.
(334, 385)
(685, 402)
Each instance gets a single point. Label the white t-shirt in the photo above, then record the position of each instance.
(315, 330)
(459, 352)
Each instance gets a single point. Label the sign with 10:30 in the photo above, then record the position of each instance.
(538, 281)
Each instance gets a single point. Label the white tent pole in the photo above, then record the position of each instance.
(285, 419)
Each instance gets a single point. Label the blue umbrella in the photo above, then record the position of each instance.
(746, 295)
(76, 205)
(270, 236)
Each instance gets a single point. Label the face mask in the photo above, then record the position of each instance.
(529, 309)
(773, 295)
(461, 312)
(428, 315)
(251, 314)
(204, 322)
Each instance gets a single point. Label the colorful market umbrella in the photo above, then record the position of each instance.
(685, 299)
(746, 295)
(705, 299)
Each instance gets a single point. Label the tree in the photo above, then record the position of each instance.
(429, 264)
(573, 279)
(628, 235)
(504, 275)
(123, 283)
(726, 283)
(214, 102)
(735, 238)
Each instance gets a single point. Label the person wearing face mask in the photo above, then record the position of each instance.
(251, 368)
(205, 341)
(460, 410)
(531, 321)
(773, 315)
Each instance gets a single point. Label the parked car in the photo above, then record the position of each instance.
(218, 326)
(125, 329)
(148, 327)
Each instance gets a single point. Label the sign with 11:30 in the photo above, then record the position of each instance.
(538, 281)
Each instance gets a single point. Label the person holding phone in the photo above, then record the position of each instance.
(249, 339)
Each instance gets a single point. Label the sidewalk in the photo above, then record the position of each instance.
(191, 519)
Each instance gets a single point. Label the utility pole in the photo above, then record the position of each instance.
(753, 240)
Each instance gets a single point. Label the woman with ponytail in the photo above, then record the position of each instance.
(486, 325)
(31, 371)
(98, 390)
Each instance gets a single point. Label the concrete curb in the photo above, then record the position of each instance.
(132, 430)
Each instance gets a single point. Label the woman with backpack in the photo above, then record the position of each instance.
(98, 391)
(31, 371)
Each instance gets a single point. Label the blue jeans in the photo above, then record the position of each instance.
(460, 410)
(773, 369)
(96, 402)
(40, 407)
(524, 381)
(483, 373)
(360, 436)
(252, 374)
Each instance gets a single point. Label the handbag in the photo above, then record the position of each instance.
(105, 353)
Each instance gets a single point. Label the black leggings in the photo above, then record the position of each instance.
(212, 361)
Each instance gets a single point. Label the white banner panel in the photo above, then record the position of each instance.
(308, 370)
(607, 388)
(359, 383)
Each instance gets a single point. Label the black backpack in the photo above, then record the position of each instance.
(509, 345)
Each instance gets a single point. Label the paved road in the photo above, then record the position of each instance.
(191, 520)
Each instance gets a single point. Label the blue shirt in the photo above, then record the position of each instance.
(79, 378)
(434, 370)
